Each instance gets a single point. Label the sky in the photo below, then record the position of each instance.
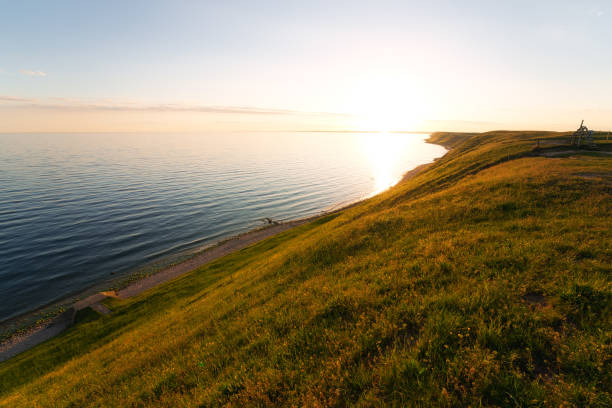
(131, 66)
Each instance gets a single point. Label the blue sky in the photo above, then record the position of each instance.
(414, 65)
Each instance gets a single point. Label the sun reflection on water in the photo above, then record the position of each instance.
(383, 151)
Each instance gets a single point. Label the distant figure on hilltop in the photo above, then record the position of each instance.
(582, 136)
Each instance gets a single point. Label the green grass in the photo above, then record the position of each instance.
(484, 280)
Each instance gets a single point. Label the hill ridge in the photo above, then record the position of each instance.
(479, 281)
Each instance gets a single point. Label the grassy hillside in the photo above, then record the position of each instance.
(484, 280)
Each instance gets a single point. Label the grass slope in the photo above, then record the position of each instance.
(484, 280)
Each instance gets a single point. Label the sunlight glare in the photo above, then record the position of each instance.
(387, 103)
(383, 151)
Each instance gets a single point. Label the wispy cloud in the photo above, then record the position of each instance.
(67, 104)
(32, 73)
(13, 99)
(597, 12)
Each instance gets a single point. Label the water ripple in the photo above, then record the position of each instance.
(74, 208)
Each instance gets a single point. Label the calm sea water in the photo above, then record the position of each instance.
(76, 208)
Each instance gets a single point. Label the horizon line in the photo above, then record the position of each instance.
(290, 131)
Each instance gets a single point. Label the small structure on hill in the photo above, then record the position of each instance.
(582, 136)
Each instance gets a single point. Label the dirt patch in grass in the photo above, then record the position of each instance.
(536, 299)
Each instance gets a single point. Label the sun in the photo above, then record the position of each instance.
(386, 105)
(385, 119)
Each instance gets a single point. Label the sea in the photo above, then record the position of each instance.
(80, 210)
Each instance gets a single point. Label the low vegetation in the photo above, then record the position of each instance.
(483, 280)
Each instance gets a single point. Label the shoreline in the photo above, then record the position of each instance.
(34, 333)
(27, 312)
(19, 338)
(42, 314)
